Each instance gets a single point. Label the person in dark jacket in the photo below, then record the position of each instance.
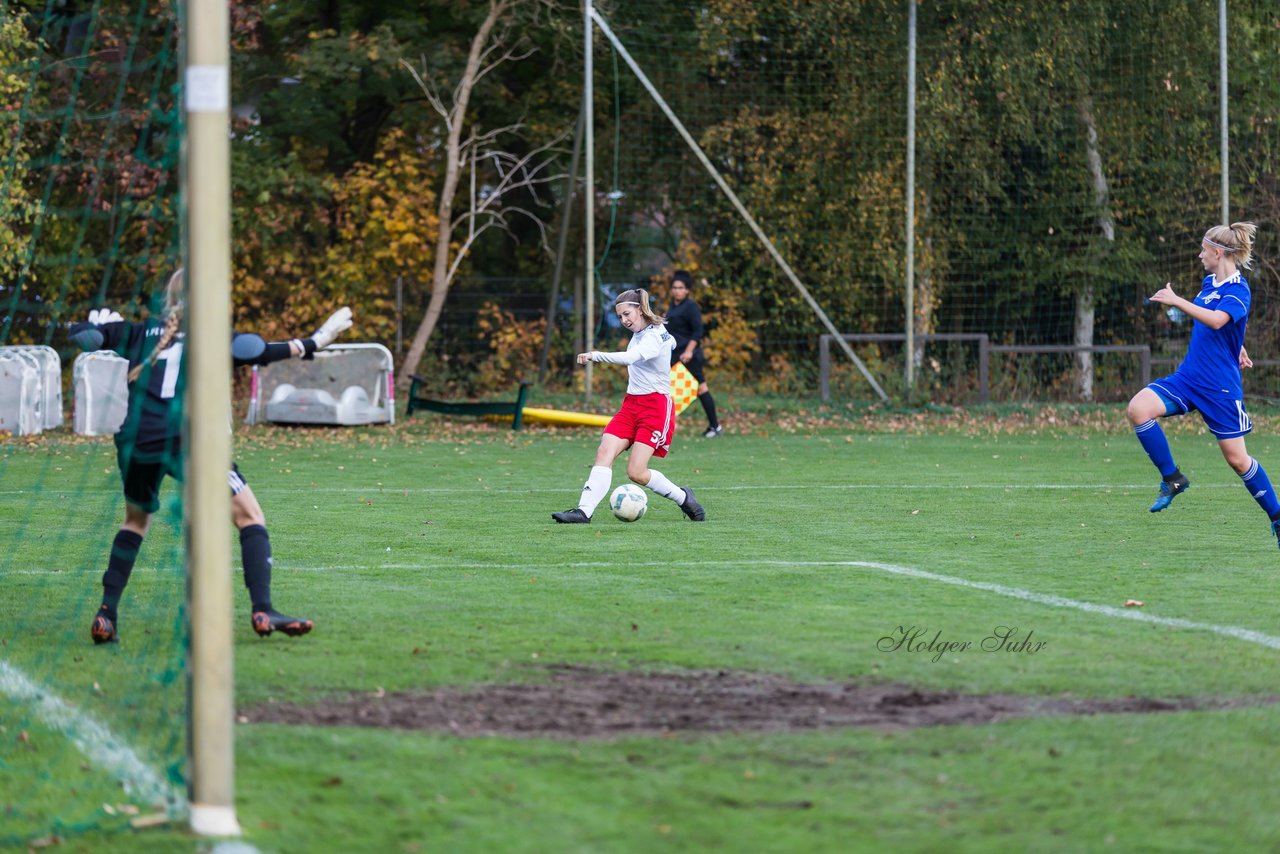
(684, 322)
(149, 446)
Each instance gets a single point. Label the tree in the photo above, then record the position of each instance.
(506, 174)
(17, 207)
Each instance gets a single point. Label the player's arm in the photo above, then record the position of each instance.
(104, 330)
(1245, 361)
(621, 357)
(1214, 318)
(696, 327)
(649, 346)
(251, 349)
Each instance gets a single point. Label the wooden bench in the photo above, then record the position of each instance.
(477, 409)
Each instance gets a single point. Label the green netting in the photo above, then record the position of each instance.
(803, 107)
(92, 736)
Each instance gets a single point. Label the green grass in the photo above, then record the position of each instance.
(430, 560)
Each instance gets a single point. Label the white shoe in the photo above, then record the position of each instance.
(712, 432)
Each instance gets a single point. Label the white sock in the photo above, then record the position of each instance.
(658, 483)
(596, 489)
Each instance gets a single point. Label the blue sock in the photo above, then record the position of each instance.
(1156, 446)
(1259, 486)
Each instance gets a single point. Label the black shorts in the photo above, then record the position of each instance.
(143, 473)
(697, 366)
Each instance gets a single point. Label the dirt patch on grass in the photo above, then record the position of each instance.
(580, 702)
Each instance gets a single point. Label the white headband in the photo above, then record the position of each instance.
(628, 302)
(1219, 245)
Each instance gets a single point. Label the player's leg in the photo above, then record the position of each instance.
(1254, 477)
(124, 553)
(255, 555)
(141, 482)
(596, 488)
(657, 428)
(1145, 407)
(696, 367)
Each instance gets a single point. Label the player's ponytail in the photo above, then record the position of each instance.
(1236, 240)
(173, 304)
(640, 297)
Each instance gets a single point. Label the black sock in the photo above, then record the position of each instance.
(255, 553)
(709, 406)
(124, 551)
(1177, 473)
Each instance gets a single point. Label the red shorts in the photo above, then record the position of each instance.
(649, 419)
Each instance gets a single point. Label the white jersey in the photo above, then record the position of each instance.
(648, 360)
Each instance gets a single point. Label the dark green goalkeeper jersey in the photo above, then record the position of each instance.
(154, 424)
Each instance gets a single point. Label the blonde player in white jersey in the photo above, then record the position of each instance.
(647, 420)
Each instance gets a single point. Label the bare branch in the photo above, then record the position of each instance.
(509, 56)
(520, 167)
(467, 244)
(428, 90)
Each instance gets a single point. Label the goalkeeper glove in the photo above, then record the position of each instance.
(338, 322)
(99, 316)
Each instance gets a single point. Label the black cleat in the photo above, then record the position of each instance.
(692, 508)
(266, 622)
(103, 629)
(576, 516)
(712, 432)
(1169, 489)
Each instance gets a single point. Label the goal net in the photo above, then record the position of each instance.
(1067, 160)
(95, 736)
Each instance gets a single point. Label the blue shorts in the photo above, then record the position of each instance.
(1223, 414)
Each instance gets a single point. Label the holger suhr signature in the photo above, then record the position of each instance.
(919, 639)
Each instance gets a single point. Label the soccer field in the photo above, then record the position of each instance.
(912, 638)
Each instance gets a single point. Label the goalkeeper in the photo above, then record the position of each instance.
(148, 446)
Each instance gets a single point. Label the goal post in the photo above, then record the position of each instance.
(207, 175)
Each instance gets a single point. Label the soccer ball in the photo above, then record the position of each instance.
(628, 502)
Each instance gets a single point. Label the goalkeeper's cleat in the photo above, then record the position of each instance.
(1169, 489)
(692, 508)
(574, 516)
(103, 629)
(266, 622)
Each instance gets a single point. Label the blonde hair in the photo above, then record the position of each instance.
(640, 297)
(1236, 240)
(174, 301)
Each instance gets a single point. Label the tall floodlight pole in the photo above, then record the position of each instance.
(1222, 110)
(589, 193)
(207, 174)
(911, 195)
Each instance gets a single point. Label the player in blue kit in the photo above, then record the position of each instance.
(1208, 380)
(148, 446)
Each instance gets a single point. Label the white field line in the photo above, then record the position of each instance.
(495, 485)
(1247, 635)
(94, 740)
(1234, 632)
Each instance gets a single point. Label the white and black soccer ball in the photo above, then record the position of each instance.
(628, 502)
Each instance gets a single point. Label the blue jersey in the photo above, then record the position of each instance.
(1213, 358)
